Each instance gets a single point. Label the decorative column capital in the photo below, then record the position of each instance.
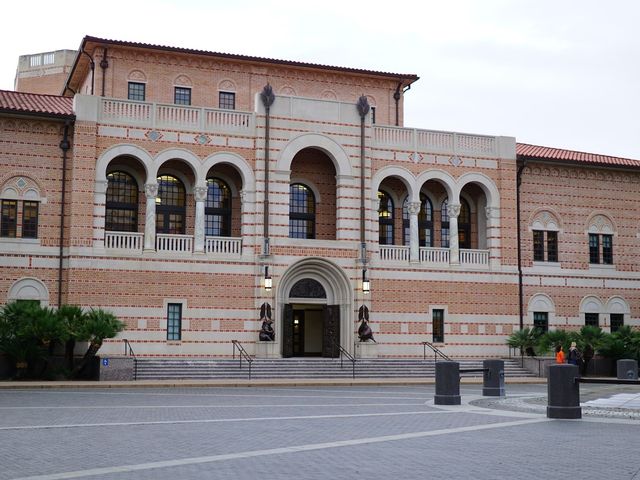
(200, 193)
(151, 190)
(492, 212)
(413, 208)
(453, 209)
(101, 186)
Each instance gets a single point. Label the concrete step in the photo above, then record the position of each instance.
(167, 368)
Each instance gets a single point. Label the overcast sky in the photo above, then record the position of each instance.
(561, 73)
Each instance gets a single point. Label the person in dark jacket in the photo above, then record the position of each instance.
(574, 357)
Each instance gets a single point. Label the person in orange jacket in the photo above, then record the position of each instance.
(559, 354)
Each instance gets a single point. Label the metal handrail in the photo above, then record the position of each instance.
(128, 352)
(242, 353)
(436, 352)
(350, 357)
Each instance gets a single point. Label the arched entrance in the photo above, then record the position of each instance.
(315, 301)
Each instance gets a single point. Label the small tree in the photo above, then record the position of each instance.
(98, 325)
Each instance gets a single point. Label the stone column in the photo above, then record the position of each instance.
(99, 213)
(414, 235)
(200, 195)
(493, 235)
(151, 191)
(454, 246)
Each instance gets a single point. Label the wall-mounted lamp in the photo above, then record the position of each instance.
(268, 283)
(366, 285)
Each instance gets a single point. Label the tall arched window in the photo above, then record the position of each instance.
(217, 209)
(122, 203)
(425, 222)
(170, 205)
(385, 218)
(464, 225)
(302, 212)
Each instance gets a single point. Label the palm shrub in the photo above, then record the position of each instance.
(624, 343)
(589, 339)
(98, 325)
(73, 319)
(27, 334)
(526, 340)
(549, 340)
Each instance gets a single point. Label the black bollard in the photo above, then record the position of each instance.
(447, 383)
(627, 369)
(493, 382)
(563, 392)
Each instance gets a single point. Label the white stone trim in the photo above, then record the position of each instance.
(29, 288)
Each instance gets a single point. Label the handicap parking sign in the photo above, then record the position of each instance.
(105, 362)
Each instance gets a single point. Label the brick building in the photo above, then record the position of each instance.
(167, 186)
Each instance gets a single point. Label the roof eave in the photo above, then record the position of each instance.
(47, 115)
(406, 79)
(533, 158)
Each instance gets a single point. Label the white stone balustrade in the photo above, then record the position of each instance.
(174, 243)
(131, 241)
(434, 255)
(474, 257)
(175, 117)
(223, 245)
(434, 141)
(394, 253)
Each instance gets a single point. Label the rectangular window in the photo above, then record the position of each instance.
(538, 246)
(227, 100)
(174, 321)
(552, 246)
(594, 248)
(30, 220)
(182, 96)
(438, 325)
(9, 218)
(592, 319)
(373, 115)
(617, 321)
(137, 91)
(607, 249)
(541, 321)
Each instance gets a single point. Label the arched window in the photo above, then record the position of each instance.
(122, 203)
(302, 212)
(385, 218)
(217, 209)
(425, 222)
(464, 225)
(170, 205)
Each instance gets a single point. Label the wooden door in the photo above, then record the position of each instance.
(331, 331)
(287, 331)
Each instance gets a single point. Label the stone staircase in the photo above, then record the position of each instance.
(304, 368)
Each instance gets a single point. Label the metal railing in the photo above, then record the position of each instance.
(242, 353)
(436, 352)
(350, 357)
(128, 352)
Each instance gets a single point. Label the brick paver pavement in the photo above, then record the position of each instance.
(371, 432)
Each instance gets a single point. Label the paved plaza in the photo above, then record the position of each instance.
(312, 432)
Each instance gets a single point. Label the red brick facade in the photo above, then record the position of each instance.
(314, 140)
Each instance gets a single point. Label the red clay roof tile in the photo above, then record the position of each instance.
(550, 153)
(33, 103)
